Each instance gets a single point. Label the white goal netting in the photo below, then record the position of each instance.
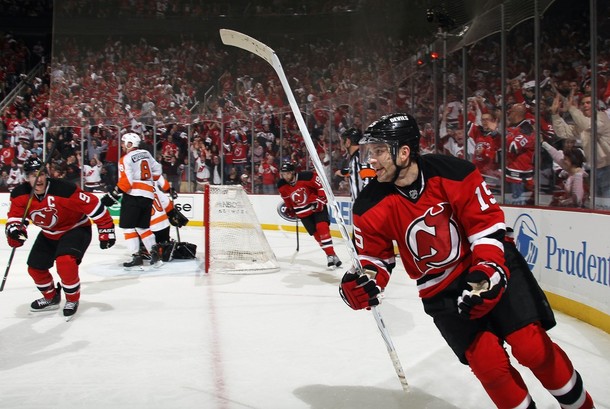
(235, 241)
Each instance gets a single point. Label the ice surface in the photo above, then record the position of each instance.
(177, 338)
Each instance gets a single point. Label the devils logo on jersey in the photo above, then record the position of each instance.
(45, 217)
(299, 197)
(433, 239)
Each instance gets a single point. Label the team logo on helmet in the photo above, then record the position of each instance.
(31, 165)
(287, 167)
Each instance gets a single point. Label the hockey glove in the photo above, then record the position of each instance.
(16, 234)
(173, 194)
(362, 291)
(176, 218)
(289, 212)
(487, 283)
(318, 205)
(112, 197)
(106, 236)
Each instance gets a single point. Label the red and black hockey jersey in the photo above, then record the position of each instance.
(443, 223)
(301, 195)
(64, 206)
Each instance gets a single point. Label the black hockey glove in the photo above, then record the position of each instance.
(112, 197)
(487, 283)
(172, 193)
(176, 218)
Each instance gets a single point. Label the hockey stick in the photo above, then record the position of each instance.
(239, 40)
(27, 208)
(297, 232)
(177, 228)
(178, 232)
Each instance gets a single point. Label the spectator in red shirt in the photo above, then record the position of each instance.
(269, 175)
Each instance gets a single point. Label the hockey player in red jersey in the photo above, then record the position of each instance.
(304, 198)
(64, 213)
(472, 280)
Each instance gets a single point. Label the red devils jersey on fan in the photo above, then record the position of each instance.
(64, 206)
(487, 145)
(443, 223)
(520, 149)
(302, 194)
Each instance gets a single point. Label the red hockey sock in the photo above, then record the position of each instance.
(325, 239)
(44, 282)
(490, 364)
(533, 348)
(67, 268)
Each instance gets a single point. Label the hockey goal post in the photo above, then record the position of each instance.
(234, 239)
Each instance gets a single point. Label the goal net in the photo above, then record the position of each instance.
(234, 240)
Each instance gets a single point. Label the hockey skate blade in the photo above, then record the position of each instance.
(46, 311)
(158, 264)
(134, 268)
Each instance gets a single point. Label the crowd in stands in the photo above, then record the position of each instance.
(242, 131)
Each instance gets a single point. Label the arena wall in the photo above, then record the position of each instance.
(568, 251)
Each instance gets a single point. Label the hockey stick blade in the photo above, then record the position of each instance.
(245, 42)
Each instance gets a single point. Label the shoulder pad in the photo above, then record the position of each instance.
(306, 175)
(21, 189)
(373, 193)
(61, 187)
(444, 166)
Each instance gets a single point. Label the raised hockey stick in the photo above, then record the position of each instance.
(25, 214)
(240, 40)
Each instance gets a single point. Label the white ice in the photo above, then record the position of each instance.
(175, 337)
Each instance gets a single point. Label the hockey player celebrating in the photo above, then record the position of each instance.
(304, 198)
(138, 171)
(472, 280)
(64, 213)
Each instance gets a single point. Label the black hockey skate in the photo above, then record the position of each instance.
(333, 261)
(135, 263)
(156, 259)
(70, 309)
(44, 304)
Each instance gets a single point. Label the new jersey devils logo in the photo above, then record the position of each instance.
(299, 197)
(433, 239)
(45, 217)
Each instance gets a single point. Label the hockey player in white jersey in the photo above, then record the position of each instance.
(138, 171)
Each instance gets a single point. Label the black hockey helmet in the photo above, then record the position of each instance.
(353, 134)
(31, 165)
(396, 130)
(287, 167)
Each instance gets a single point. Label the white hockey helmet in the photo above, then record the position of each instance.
(131, 137)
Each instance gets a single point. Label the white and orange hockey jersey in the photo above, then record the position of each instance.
(138, 171)
(161, 205)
